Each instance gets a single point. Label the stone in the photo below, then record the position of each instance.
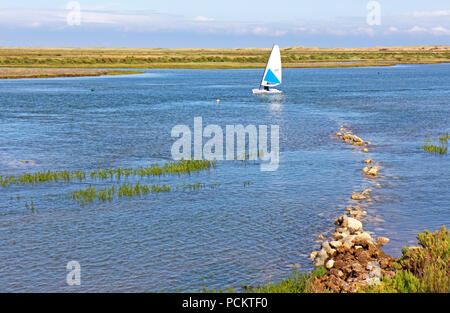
(364, 238)
(357, 268)
(329, 263)
(373, 171)
(365, 150)
(339, 134)
(320, 237)
(341, 221)
(366, 191)
(348, 244)
(354, 225)
(363, 257)
(320, 258)
(335, 244)
(368, 161)
(382, 241)
(365, 169)
(313, 255)
(358, 196)
(368, 143)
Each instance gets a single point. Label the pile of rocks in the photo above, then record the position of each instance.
(353, 259)
(349, 138)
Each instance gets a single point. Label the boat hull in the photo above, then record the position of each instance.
(263, 91)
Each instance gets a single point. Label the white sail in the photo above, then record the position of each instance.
(272, 74)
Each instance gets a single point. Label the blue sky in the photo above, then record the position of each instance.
(231, 23)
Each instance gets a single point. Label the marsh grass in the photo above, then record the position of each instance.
(169, 168)
(440, 148)
(90, 193)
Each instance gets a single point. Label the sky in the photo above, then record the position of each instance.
(223, 24)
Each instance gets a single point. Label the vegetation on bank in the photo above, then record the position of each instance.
(425, 268)
(218, 58)
(422, 269)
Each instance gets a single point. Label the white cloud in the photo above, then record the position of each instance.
(440, 31)
(203, 19)
(417, 29)
(431, 13)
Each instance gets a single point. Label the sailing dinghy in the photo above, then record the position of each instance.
(272, 74)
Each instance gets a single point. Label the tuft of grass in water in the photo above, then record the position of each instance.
(90, 194)
(437, 149)
(30, 206)
(422, 269)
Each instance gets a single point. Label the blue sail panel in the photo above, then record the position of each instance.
(271, 78)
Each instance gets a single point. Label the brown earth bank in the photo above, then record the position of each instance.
(11, 73)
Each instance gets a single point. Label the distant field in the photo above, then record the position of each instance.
(10, 73)
(219, 58)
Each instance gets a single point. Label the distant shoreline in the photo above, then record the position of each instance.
(155, 58)
(20, 72)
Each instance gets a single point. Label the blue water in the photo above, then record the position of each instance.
(230, 235)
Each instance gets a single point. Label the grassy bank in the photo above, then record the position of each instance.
(294, 57)
(425, 268)
(12, 73)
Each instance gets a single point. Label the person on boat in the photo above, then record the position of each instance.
(266, 88)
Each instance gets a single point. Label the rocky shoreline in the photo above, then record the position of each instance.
(352, 258)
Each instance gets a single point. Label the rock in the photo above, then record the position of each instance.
(382, 241)
(348, 244)
(339, 134)
(365, 169)
(338, 235)
(363, 238)
(320, 237)
(358, 196)
(363, 257)
(373, 171)
(335, 244)
(329, 263)
(368, 161)
(320, 258)
(358, 143)
(374, 274)
(341, 221)
(366, 191)
(313, 255)
(327, 248)
(368, 143)
(365, 150)
(357, 268)
(354, 225)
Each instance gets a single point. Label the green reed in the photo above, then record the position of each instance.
(30, 206)
(437, 149)
(169, 168)
(90, 194)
